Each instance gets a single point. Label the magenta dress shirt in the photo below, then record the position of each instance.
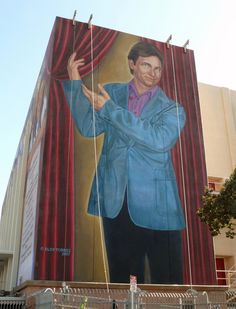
(137, 102)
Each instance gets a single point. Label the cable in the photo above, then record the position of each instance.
(68, 156)
(96, 164)
(182, 170)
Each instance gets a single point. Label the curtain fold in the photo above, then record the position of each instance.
(55, 241)
(78, 39)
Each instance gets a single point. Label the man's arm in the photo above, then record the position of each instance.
(80, 107)
(159, 134)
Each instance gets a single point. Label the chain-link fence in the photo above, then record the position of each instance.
(123, 299)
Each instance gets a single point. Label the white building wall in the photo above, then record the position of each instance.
(218, 111)
(11, 217)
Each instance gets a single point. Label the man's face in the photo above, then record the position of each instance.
(146, 71)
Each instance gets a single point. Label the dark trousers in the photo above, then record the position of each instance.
(127, 246)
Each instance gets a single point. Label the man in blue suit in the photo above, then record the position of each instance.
(138, 195)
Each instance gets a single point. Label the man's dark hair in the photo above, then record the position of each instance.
(144, 49)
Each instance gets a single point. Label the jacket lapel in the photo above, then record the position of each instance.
(156, 105)
(121, 95)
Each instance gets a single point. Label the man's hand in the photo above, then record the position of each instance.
(73, 67)
(96, 100)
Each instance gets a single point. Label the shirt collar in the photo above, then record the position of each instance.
(150, 92)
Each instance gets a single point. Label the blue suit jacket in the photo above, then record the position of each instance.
(135, 157)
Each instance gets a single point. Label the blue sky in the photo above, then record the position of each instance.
(25, 27)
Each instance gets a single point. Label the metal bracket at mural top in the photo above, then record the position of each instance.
(75, 12)
(185, 46)
(168, 41)
(90, 21)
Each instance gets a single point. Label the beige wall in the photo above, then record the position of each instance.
(218, 111)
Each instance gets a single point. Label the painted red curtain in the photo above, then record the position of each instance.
(55, 236)
(179, 81)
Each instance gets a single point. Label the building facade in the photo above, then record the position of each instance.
(45, 232)
(218, 112)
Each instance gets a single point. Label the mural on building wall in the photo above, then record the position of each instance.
(134, 186)
(37, 117)
(123, 165)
